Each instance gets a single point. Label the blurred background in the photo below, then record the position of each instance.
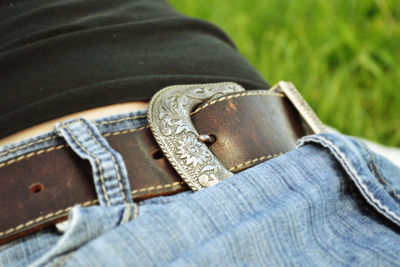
(342, 55)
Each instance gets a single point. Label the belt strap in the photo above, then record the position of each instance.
(250, 127)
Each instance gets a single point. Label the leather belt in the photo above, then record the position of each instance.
(250, 127)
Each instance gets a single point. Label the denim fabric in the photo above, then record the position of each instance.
(329, 202)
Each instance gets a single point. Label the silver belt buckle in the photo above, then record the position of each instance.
(169, 119)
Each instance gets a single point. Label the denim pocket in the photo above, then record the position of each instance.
(377, 179)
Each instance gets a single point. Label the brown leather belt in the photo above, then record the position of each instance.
(38, 189)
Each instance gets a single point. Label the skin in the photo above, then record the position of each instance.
(90, 114)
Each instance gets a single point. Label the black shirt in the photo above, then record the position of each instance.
(60, 57)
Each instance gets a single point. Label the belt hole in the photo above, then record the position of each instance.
(36, 188)
(157, 154)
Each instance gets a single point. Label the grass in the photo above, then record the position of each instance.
(343, 55)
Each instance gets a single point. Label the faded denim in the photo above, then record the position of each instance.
(329, 202)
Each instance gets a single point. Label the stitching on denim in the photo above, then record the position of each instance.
(371, 156)
(236, 96)
(97, 163)
(112, 158)
(28, 145)
(250, 162)
(350, 170)
(121, 120)
(87, 203)
(127, 214)
(135, 212)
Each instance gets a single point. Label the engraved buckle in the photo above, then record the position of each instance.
(169, 119)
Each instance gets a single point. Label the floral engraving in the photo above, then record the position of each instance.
(169, 119)
(192, 151)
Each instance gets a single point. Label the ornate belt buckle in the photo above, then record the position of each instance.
(169, 119)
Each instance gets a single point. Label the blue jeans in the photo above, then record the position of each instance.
(331, 201)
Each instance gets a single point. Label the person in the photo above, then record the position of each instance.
(328, 201)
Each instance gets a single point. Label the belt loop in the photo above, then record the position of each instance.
(109, 172)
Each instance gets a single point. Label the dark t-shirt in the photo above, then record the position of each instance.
(60, 57)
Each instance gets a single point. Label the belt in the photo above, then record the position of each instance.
(187, 123)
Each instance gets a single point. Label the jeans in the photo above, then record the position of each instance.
(329, 202)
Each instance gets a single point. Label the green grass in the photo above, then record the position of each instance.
(343, 55)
